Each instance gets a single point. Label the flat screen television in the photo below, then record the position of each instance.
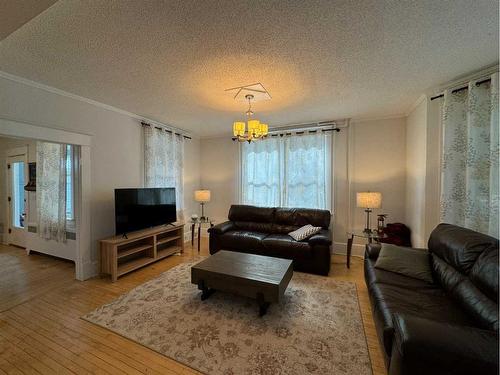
(137, 209)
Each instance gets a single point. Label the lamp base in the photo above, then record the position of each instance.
(203, 217)
(367, 227)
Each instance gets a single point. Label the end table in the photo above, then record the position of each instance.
(199, 222)
(370, 236)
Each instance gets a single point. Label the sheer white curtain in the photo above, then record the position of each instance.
(288, 171)
(51, 190)
(261, 171)
(469, 191)
(307, 171)
(163, 162)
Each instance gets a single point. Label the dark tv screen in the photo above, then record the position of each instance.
(137, 209)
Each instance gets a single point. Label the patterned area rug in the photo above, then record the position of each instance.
(316, 330)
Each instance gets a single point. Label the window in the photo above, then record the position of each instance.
(289, 171)
(70, 213)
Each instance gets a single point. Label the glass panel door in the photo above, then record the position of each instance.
(18, 213)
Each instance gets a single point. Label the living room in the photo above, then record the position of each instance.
(355, 120)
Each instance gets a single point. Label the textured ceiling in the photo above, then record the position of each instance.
(15, 13)
(172, 60)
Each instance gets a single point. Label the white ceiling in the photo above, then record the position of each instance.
(320, 60)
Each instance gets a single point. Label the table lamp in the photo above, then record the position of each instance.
(368, 200)
(202, 196)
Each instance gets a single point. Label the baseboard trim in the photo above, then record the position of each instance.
(341, 249)
(89, 270)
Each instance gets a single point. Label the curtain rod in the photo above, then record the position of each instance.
(305, 131)
(461, 88)
(298, 132)
(167, 130)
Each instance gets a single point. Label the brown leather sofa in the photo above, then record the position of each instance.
(449, 326)
(264, 231)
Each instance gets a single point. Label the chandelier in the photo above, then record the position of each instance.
(253, 129)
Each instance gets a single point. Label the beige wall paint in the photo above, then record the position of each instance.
(378, 163)
(116, 146)
(416, 158)
(219, 173)
(191, 179)
(433, 167)
(375, 152)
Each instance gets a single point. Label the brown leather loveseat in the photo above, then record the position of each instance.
(264, 231)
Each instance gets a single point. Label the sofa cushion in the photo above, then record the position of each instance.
(430, 303)
(406, 261)
(321, 238)
(254, 226)
(244, 241)
(284, 246)
(374, 275)
(459, 247)
(240, 212)
(461, 289)
(298, 217)
(484, 273)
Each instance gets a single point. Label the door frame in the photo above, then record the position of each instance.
(11, 153)
(86, 263)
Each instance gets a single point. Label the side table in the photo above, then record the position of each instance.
(370, 236)
(205, 222)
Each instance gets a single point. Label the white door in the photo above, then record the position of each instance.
(16, 209)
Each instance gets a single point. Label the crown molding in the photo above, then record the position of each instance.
(463, 79)
(66, 94)
(357, 120)
(417, 102)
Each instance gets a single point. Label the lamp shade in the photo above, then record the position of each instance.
(369, 199)
(254, 127)
(202, 195)
(238, 128)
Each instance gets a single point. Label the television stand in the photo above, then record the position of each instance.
(125, 253)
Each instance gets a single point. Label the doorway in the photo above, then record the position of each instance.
(86, 258)
(16, 197)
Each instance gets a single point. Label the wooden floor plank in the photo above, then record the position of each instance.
(41, 304)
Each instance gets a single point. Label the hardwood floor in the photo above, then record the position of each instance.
(41, 331)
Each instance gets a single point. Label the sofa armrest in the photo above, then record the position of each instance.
(323, 237)
(222, 227)
(373, 250)
(431, 347)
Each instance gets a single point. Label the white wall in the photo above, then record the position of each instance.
(416, 159)
(116, 146)
(376, 162)
(423, 171)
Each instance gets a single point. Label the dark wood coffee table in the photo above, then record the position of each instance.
(255, 276)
